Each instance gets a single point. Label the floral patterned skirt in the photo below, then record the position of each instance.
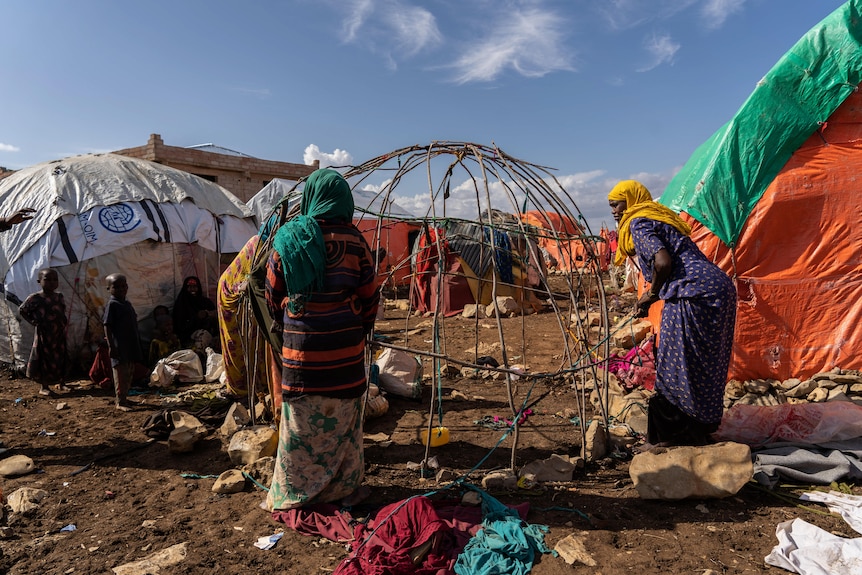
(320, 457)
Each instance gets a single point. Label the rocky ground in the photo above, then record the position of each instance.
(113, 496)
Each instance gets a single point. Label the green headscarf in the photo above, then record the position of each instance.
(299, 241)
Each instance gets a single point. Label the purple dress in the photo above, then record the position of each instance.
(697, 322)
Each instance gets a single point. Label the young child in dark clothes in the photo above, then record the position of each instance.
(124, 342)
(46, 310)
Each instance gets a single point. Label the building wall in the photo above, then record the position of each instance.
(241, 175)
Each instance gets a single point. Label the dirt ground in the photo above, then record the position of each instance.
(129, 497)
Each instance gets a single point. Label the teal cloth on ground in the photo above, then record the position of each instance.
(505, 544)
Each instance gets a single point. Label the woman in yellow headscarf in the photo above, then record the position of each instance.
(697, 320)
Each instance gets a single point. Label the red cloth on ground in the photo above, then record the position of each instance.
(403, 526)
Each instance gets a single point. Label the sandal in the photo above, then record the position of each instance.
(46, 392)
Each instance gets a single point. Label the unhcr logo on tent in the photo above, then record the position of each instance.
(119, 218)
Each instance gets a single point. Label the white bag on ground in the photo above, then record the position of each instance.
(215, 365)
(400, 373)
(183, 365)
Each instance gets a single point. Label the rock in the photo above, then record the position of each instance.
(554, 468)
(249, 445)
(711, 471)
(231, 481)
(155, 563)
(471, 499)
(502, 480)
(595, 441)
(472, 310)
(25, 499)
(734, 389)
(803, 389)
(236, 418)
(789, 384)
(506, 305)
(818, 395)
(16, 465)
(187, 431)
(261, 470)
(571, 548)
(759, 386)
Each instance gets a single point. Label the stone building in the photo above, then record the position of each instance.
(241, 174)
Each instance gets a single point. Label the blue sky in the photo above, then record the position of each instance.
(599, 90)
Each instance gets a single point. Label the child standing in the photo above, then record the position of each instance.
(46, 310)
(124, 342)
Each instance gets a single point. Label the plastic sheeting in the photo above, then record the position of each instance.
(102, 214)
(780, 183)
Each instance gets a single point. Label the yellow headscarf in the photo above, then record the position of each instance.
(639, 204)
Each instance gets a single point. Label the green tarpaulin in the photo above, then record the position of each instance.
(727, 175)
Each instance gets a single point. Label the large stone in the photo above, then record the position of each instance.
(595, 441)
(188, 430)
(231, 481)
(237, 416)
(712, 471)
(155, 563)
(26, 499)
(554, 468)
(261, 470)
(501, 480)
(249, 445)
(572, 549)
(16, 465)
(506, 305)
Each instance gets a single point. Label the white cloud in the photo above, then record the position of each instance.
(336, 158)
(716, 12)
(9, 148)
(628, 14)
(260, 93)
(529, 42)
(392, 28)
(661, 49)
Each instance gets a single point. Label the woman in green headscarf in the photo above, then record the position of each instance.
(697, 320)
(321, 289)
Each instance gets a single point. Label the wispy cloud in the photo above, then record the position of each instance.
(661, 49)
(261, 93)
(530, 42)
(9, 148)
(628, 14)
(336, 158)
(716, 12)
(392, 28)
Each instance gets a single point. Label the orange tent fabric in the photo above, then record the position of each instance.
(798, 260)
(555, 231)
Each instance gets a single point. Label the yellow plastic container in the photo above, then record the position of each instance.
(439, 436)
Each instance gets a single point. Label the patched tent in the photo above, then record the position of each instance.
(775, 198)
(458, 263)
(103, 213)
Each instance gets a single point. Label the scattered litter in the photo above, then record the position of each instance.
(44, 433)
(268, 541)
(109, 494)
(196, 476)
(69, 527)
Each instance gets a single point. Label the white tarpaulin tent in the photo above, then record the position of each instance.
(104, 213)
